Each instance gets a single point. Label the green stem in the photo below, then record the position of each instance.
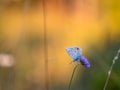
(72, 77)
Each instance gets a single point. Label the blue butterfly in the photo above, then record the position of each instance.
(76, 53)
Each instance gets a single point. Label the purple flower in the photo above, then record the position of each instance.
(84, 61)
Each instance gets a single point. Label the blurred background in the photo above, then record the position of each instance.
(33, 56)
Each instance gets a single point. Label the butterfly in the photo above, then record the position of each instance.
(76, 54)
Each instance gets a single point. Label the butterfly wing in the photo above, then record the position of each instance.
(74, 52)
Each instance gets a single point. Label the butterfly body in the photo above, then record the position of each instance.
(76, 54)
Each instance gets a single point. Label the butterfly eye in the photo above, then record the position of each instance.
(77, 48)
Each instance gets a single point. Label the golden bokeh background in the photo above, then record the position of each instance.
(68, 23)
